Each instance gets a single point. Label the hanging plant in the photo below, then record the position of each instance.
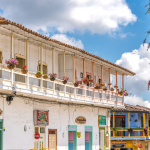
(105, 88)
(11, 63)
(116, 86)
(24, 70)
(125, 94)
(97, 86)
(52, 76)
(121, 92)
(90, 80)
(112, 89)
(130, 130)
(136, 120)
(76, 84)
(109, 84)
(102, 84)
(145, 131)
(65, 79)
(86, 80)
(45, 76)
(38, 74)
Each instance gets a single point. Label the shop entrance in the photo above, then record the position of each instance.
(88, 137)
(102, 138)
(52, 139)
(1, 134)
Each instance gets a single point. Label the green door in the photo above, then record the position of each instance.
(1, 134)
(102, 138)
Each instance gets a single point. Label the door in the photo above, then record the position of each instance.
(72, 140)
(87, 141)
(1, 134)
(102, 143)
(52, 139)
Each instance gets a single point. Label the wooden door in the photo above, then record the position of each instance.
(52, 139)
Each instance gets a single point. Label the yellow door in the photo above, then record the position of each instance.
(52, 141)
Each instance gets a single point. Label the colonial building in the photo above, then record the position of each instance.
(130, 128)
(39, 113)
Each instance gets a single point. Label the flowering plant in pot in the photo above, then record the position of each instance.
(11, 63)
(105, 88)
(24, 70)
(121, 92)
(86, 80)
(65, 79)
(116, 86)
(90, 80)
(102, 84)
(45, 76)
(112, 89)
(145, 131)
(97, 86)
(76, 84)
(52, 76)
(126, 93)
(130, 130)
(38, 74)
(109, 84)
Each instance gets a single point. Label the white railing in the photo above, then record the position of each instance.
(57, 87)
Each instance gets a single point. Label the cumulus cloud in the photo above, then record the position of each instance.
(68, 40)
(137, 61)
(96, 16)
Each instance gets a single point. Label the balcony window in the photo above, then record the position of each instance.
(119, 121)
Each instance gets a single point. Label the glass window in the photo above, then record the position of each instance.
(42, 129)
(36, 130)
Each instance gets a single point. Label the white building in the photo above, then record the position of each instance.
(71, 119)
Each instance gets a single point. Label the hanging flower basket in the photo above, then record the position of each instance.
(130, 130)
(52, 79)
(90, 80)
(11, 67)
(116, 86)
(97, 86)
(64, 82)
(125, 94)
(112, 89)
(86, 80)
(45, 76)
(65, 79)
(121, 92)
(109, 84)
(105, 88)
(102, 84)
(76, 84)
(24, 70)
(38, 74)
(145, 131)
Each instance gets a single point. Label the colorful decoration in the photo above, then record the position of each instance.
(42, 117)
(65, 79)
(52, 76)
(86, 80)
(11, 63)
(24, 70)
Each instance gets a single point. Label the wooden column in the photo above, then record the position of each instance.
(114, 124)
(116, 78)
(63, 63)
(109, 76)
(122, 81)
(128, 123)
(27, 62)
(74, 80)
(53, 60)
(83, 67)
(41, 63)
(148, 124)
(144, 123)
(93, 72)
(101, 75)
(12, 55)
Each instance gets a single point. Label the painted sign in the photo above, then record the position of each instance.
(41, 117)
(80, 120)
(102, 120)
(36, 135)
(78, 134)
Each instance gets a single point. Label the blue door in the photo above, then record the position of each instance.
(1, 134)
(87, 140)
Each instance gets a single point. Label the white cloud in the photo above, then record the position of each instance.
(68, 40)
(137, 61)
(96, 16)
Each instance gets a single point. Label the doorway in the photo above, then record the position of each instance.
(102, 138)
(1, 134)
(52, 139)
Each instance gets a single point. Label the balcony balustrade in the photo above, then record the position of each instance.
(82, 92)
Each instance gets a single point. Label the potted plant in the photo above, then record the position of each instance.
(76, 84)
(52, 76)
(45, 76)
(65, 79)
(112, 89)
(11, 63)
(97, 86)
(145, 131)
(90, 80)
(136, 120)
(38, 74)
(116, 86)
(130, 130)
(24, 70)
(109, 84)
(125, 94)
(105, 88)
(121, 92)
(86, 80)
(102, 84)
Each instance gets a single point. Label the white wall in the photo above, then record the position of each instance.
(19, 114)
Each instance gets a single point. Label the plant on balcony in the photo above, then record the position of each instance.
(24, 70)
(109, 84)
(97, 86)
(121, 92)
(11, 63)
(114, 129)
(102, 84)
(76, 84)
(145, 131)
(45, 76)
(105, 88)
(116, 86)
(52, 76)
(86, 80)
(130, 130)
(90, 80)
(125, 94)
(136, 120)
(65, 79)
(38, 74)
(112, 89)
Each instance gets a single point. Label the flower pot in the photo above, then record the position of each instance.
(11, 67)
(102, 84)
(38, 75)
(24, 71)
(90, 80)
(116, 87)
(76, 84)
(112, 90)
(52, 79)
(97, 87)
(109, 84)
(64, 82)
(45, 77)
(105, 89)
(126, 94)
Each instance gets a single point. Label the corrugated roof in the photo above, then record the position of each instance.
(131, 108)
(5, 21)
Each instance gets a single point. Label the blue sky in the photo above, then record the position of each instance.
(112, 29)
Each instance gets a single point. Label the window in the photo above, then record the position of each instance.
(119, 121)
(45, 68)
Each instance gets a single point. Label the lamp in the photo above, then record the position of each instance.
(9, 99)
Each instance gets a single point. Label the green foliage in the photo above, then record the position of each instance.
(39, 72)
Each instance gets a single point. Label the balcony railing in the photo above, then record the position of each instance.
(30, 82)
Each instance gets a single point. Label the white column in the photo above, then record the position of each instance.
(64, 64)
(41, 64)
(27, 62)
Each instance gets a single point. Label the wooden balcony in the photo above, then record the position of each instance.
(28, 83)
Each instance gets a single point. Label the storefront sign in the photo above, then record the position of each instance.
(36, 135)
(80, 120)
(78, 134)
(41, 117)
(102, 120)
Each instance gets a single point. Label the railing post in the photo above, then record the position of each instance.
(64, 89)
(113, 123)
(144, 123)
(148, 123)
(53, 87)
(128, 123)
(27, 62)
